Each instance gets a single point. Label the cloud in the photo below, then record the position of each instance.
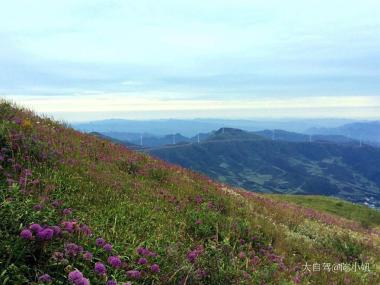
(98, 105)
(193, 50)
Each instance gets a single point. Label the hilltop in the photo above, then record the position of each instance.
(77, 209)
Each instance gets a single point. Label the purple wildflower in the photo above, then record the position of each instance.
(198, 199)
(114, 261)
(87, 256)
(18, 121)
(201, 273)
(72, 250)
(68, 226)
(85, 230)
(193, 255)
(255, 260)
(141, 250)
(17, 166)
(57, 256)
(26, 234)
(38, 207)
(75, 276)
(155, 268)
(134, 274)
(10, 181)
(100, 242)
(111, 282)
(100, 269)
(45, 234)
(297, 279)
(145, 252)
(83, 281)
(35, 228)
(107, 247)
(45, 279)
(56, 230)
(142, 261)
(56, 203)
(241, 255)
(67, 211)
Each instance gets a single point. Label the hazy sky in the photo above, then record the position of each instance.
(82, 60)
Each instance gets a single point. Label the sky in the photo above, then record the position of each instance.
(85, 60)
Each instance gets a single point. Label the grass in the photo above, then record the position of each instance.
(167, 225)
(366, 216)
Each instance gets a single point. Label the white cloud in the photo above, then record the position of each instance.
(352, 106)
(207, 50)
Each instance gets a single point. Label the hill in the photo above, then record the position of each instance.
(117, 141)
(298, 137)
(318, 168)
(359, 213)
(77, 209)
(227, 134)
(366, 131)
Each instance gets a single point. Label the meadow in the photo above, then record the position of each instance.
(76, 209)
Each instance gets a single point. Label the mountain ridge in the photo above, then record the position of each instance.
(344, 170)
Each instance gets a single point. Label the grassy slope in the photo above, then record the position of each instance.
(360, 213)
(202, 232)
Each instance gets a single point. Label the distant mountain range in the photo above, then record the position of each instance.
(328, 165)
(148, 140)
(365, 131)
(191, 128)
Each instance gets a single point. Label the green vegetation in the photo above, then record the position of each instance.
(76, 209)
(360, 213)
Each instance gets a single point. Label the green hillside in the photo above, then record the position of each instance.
(366, 216)
(318, 168)
(77, 209)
